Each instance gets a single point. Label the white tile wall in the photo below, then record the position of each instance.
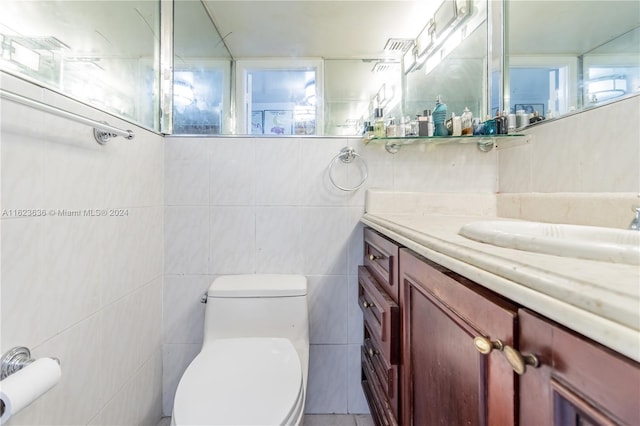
(272, 209)
(593, 151)
(87, 290)
(96, 292)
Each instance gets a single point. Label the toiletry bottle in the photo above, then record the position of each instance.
(478, 126)
(392, 128)
(415, 126)
(430, 126)
(378, 126)
(505, 122)
(467, 122)
(498, 122)
(365, 126)
(408, 126)
(439, 117)
(401, 127)
(490, 127)
(511, 123)
(422, 124)
(456, 124)
(369, 132)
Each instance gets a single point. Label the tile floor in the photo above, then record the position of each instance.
(319, 420)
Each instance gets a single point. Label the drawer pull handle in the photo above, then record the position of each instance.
(372, 352)
(367, 304)
(518, 361)
(373, 257)
(485, 346)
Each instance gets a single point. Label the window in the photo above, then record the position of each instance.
(279, 97)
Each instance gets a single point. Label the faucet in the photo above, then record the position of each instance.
(635, 223)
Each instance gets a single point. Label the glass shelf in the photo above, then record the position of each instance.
(485, 142)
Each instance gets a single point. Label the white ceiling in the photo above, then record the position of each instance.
(347, 29)
(360, 28)
(355, 29)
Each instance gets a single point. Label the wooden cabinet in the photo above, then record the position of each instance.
(378, 298)
(578, 382)
(445, 380)
(440, 349)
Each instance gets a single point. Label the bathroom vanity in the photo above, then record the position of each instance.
(469, 333)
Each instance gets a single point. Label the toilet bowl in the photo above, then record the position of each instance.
(252, 369)
(248, 381)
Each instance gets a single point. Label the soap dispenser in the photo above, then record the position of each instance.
(439, 117)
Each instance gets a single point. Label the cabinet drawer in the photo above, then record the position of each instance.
(381, 257)
(381, 409)
(387, 374)
(381, 315)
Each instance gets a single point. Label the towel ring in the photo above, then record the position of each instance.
(347, 155)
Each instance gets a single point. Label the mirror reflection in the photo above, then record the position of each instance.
(564, 56)
(459, 79)
(103, 53)
(354, 88)
(202, 72)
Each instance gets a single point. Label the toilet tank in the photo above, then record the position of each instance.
(261, 305)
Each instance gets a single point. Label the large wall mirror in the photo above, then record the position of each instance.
(565, 56)
(560, 56)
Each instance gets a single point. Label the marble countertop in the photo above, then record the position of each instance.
(597, 299)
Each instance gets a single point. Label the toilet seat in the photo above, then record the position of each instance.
(241, 381)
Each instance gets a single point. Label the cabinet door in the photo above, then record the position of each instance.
(445, 380)
(578, 382)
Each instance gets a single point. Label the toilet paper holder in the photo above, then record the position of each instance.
(16, 359)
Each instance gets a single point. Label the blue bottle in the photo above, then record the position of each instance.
(439, 117)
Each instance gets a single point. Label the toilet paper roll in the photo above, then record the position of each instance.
(26, 385)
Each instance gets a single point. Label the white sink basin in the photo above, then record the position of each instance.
(582, 242)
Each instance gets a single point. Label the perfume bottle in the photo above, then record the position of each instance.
(439, 117)
(378, 127)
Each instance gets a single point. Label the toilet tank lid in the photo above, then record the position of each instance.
(258, 285)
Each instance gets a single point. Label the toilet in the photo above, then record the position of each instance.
(253, 365)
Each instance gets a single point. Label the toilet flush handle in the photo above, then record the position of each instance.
(203, 299)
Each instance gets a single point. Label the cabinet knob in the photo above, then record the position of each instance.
(485, 346)
(373, 257)
(518, 361)
(372, 352)
(367, 304)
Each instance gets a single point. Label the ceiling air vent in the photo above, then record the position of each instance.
(384, 66)
(398, 45)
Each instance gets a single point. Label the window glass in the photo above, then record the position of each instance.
(282, 102)
(279, 97)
